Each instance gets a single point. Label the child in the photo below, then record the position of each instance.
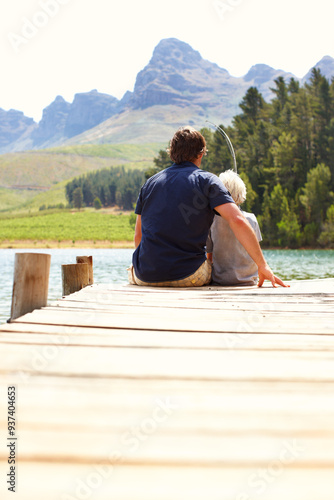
(231, 263)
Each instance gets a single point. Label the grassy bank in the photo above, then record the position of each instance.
(31, 244)
(89, 228)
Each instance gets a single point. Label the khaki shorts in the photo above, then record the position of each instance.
(199, 278)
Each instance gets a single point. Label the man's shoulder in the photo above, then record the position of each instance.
(209, 178)
(155, 177)
(207, 174)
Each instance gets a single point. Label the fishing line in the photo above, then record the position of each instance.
(229, 143)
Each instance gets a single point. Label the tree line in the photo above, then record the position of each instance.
(105, 188)
(285, 155)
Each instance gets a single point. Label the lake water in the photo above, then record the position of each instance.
(110, 267)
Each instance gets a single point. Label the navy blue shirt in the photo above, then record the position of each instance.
(176, 207)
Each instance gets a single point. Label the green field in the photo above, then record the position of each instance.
(71, 226)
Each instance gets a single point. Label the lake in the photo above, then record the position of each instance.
(110, 267)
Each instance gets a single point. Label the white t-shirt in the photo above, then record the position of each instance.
(232, 265)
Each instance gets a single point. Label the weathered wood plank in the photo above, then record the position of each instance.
(312, 286)
(150, 319)
(204, 294)
(170, 363)
(40, 480)
(206, 407)
(36, 334)
(202, 298)
(150, 443)
(108, 303)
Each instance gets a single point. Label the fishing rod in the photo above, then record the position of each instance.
(229, 143)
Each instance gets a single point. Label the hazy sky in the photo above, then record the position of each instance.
(61, 47)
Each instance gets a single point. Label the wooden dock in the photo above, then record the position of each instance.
(133, 393)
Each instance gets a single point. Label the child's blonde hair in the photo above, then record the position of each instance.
(235, 185)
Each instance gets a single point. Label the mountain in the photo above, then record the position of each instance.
(262, 76)
(13, 126)
(177, 74)
(89, 109)
(326, 66)
(176, 87)
(53, 122)
(62, 120)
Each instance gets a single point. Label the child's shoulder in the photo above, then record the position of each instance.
(249, 216)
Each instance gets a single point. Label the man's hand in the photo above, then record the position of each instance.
(265, 273)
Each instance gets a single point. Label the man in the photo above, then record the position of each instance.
(175, 210)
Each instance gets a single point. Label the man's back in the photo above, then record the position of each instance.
(176, 208)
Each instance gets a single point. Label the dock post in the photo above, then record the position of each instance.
(87, 260)
(74, 277)
(31, 283)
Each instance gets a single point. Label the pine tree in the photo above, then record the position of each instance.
(327, 235)
(317, 196)
(77, 198)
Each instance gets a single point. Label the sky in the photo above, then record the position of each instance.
(63, 47)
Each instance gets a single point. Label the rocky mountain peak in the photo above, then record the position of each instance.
(88, 110)
(13, 125)
(326, 66)
(171, 51)
(62, 120)
(259, 73)
(176, 74)
(53, 121)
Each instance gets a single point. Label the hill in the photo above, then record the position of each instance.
(34, 178)
(154, 124)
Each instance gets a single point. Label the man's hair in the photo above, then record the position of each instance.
(235, 185)
(186, 145)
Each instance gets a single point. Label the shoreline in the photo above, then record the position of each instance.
(51, 244)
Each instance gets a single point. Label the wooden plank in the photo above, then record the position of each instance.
(35, 334)
(106, 303)
(118, 388)
(208, 408)
(181, 313)
(202, 295)
(172, 363)
(204, 298)
(310, 286)
(149, 443)
(54, 481)
(150, 319)
(191, 422)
